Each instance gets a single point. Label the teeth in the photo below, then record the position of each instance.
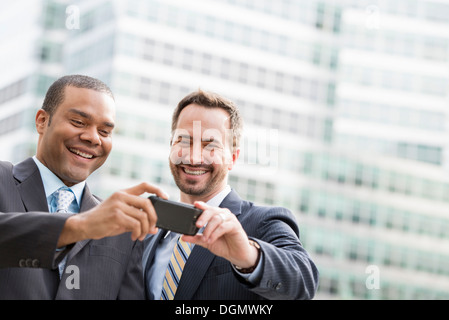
(195, 172)
(82, 154)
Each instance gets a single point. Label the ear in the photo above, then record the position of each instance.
(235, 156)
(42, 120)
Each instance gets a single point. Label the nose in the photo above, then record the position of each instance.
(91, 135)
(196, 153)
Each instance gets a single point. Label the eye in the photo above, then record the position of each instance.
(104, 133)
(77, 123)
(183, 141)
(212, 147)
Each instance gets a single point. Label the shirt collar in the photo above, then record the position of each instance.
(218, 199)
(52, 182)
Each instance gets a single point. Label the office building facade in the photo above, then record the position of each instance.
(343, 103)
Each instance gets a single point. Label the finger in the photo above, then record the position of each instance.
(141, 225)
(146, 187)
(207, 214)
(214, 222)
(146, 207)
(221, 217)
(140, 209)
(222, 228)
(127, 223)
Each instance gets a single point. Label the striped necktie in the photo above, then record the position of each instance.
(174, 271)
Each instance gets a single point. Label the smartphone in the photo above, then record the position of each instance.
(176, 216)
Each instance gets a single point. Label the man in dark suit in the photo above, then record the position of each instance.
(242, 251)
(90, 255)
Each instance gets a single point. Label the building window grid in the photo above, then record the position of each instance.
(12, 91)
(406, 184)
(395, 42)
(421, 153)
(237, 71)
(137, 127)
(327, 168)
(394, 115)
(167, 94)
(89, 55)
(364, 250)
(332, 282)
(431, 85)
(241, 34)
(11, 123)
(133, 166)
(324, 204)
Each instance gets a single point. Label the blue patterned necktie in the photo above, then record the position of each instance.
(64, 198)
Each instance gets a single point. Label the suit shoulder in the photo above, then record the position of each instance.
(252, 208)
(5, 167)
(6, 172)
(268, 214)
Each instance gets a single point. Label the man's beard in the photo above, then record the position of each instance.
(193, 188)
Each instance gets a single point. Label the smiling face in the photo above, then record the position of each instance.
(76, 140)
(200, 156)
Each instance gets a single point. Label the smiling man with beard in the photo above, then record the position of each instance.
(243, 251)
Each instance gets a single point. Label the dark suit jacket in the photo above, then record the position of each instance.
(109, 268)
(288, 271)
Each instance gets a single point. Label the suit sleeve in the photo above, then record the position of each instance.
(29, 239)
(288, 271)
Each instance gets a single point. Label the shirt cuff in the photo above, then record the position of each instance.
(254, 276)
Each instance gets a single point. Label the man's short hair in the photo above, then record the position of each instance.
(55, 94)
(212, 100)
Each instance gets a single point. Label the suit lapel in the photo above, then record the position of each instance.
(88, 201)
(31, 187)
(233, 202)
(200, 259)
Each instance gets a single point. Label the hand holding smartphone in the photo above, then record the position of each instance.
(176, 216)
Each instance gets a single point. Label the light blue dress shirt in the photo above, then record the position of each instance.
(52, 183)
(165, 248)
